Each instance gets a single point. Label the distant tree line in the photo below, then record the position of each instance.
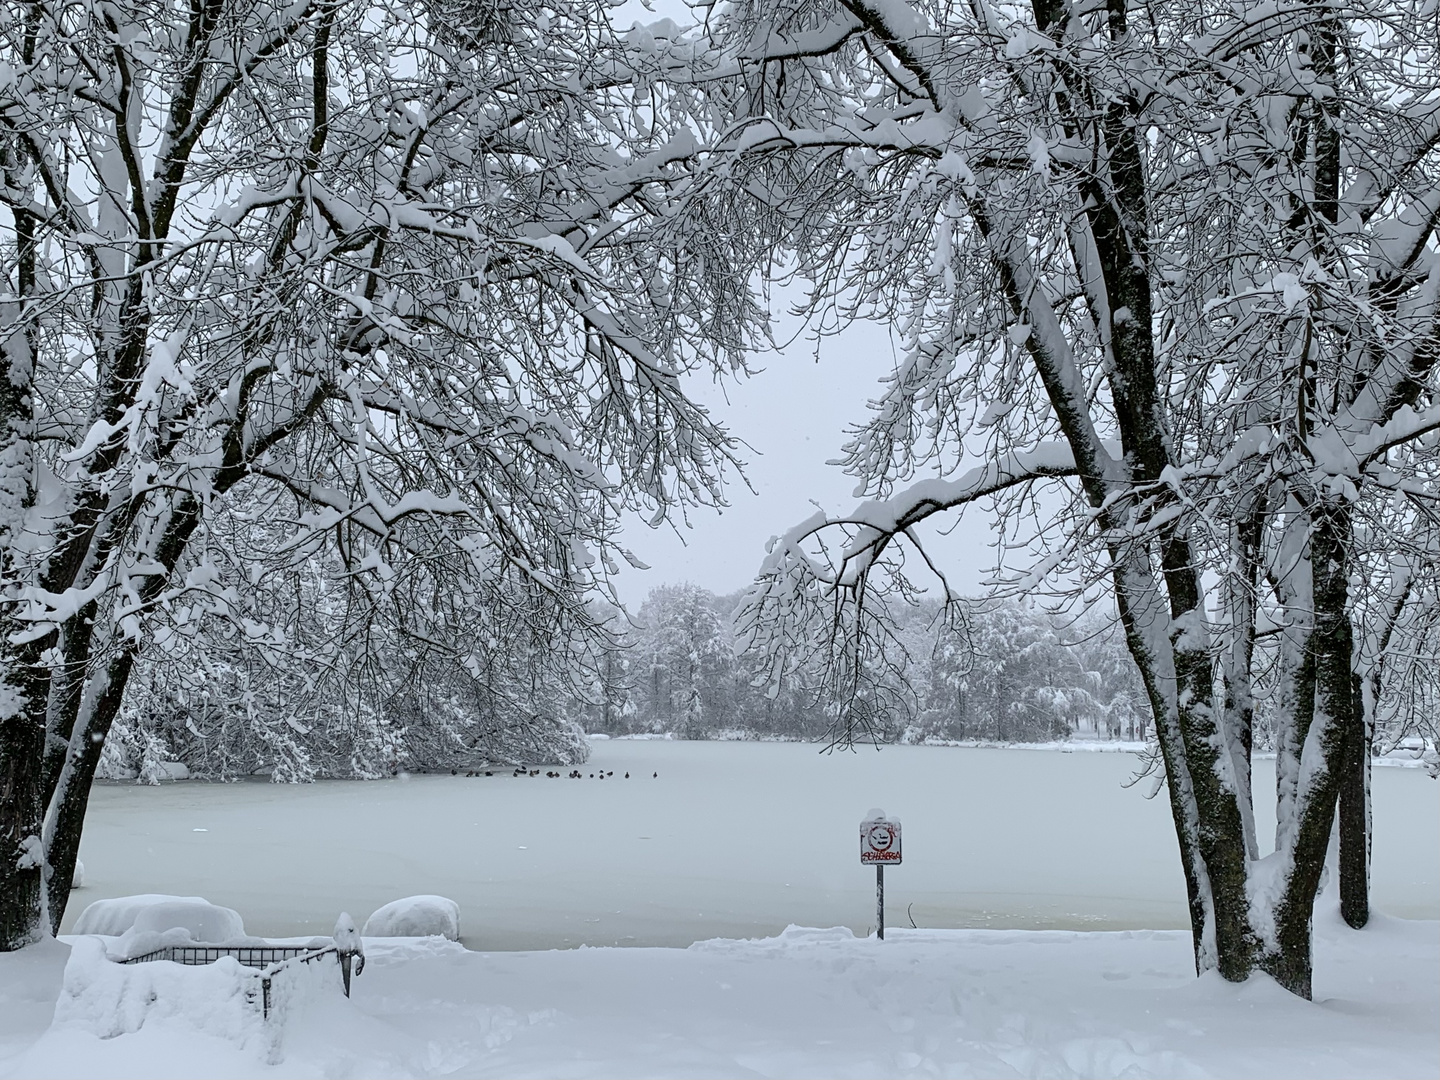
(1004, 671)
(316, 676)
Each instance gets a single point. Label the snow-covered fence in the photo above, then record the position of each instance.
(269, 960)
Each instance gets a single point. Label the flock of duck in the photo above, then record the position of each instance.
(573, 774)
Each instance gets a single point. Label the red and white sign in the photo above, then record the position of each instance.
(879, 842)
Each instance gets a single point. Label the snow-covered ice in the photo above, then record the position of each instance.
(923, 1003)
(731, 840)
(416, 916)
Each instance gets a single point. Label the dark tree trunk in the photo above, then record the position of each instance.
(75, 797)
(22, 814)
(1354, 824)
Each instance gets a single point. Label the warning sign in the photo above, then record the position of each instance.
(879, 842)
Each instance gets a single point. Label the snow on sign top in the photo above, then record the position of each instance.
(879, 840)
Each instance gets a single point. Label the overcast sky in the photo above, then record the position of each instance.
(793, 415)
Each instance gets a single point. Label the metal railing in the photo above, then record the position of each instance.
(269, 960)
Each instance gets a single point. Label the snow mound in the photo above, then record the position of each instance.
(416, 916)
(115, 916)
(77, 879)
(149, 922)
(205, 922)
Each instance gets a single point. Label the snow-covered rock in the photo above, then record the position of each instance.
(77, 880)
(416, 916)
(157, 913)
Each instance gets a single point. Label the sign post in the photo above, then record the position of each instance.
(879, 845)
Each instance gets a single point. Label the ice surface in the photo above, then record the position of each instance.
(416, 916)
(732, 840)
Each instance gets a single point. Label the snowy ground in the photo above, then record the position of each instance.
(732, 840)
(926, 1003)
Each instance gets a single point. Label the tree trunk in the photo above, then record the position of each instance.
(22, 811)
(22, 678)
(1325, 730)
(1355, 816)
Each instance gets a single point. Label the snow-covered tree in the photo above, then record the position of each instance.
(1171, 264)
(684, 660)
(1022, 675)
(311, 670)
(386, 272)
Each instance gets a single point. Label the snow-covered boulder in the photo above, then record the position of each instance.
(77, 879)
(157, 912)
(416, 916)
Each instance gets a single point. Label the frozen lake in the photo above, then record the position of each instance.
(731, 840)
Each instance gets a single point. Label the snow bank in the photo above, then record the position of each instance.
(808, 1002)
(416, 916)
(30, 981)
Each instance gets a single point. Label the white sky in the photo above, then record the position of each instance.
(793, 415)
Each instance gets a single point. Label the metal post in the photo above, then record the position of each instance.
(880, 901)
